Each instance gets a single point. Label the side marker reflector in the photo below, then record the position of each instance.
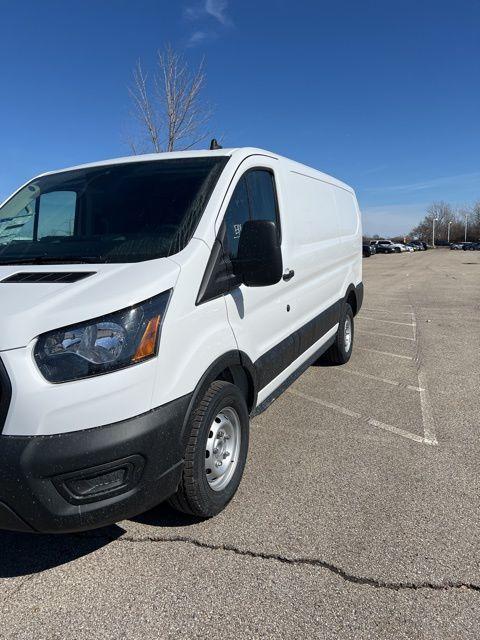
(147, 346)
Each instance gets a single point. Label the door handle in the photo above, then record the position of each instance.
(288, 275)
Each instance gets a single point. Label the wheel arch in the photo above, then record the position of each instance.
(233, 366)
(351, 298)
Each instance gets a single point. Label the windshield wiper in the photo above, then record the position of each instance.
(54, 260)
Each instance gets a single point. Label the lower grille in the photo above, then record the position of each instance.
(5, 394)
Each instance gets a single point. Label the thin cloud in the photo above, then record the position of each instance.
(192, 13)
(208, 9)
(198, 37)
(218, 10)
(367, 172)
(205, 13)
(463, 178)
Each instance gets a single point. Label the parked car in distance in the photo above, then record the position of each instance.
(383, 248)
(471, 246)
(147, 318)
(456, 246)
(414, 246)
(368, 250)
(422, 246)
(395, 247)
(408, 248)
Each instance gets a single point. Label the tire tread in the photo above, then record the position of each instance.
(186, 497)
(335, 354)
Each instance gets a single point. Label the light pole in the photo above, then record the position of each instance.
(466, 226)
(448, 231)
(433, 231)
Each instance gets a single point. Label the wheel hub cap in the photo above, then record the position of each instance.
(222, 448)
(347, 334)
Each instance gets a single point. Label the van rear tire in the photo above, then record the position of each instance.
(216, 452)
(341, 349)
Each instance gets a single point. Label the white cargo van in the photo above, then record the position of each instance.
(149, 307)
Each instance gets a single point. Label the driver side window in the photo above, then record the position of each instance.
(254, 198)
(237, 213)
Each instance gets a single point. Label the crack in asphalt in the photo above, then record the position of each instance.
(16, 589)
(313, 562)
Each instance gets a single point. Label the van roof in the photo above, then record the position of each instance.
(240, 153)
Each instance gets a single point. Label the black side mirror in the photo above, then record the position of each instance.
(259, 261)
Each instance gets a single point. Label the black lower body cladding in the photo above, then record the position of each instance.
(272, 363)
(5, 394)
(87, 479)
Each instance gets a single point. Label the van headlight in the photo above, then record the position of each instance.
(105, 344)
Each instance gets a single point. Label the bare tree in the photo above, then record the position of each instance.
(446, 216)
(442, 213)
(168, 110)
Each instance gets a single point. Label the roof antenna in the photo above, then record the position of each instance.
(214, 145)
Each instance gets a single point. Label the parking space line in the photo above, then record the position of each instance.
(370, 376)
(370, 421)
(384, 335)
(397, 313)
(391, 308)
(425, 406)
(384, 353)
(398, 304)
(329, 405)
(405, 324)
(397, 431)
(427, 415)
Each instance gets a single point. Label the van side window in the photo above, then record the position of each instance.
(237, 213)
(261, 189)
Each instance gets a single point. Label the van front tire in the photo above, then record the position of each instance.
(216, 452)
(341, 349)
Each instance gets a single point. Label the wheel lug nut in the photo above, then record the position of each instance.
(218, 463)
(215, 450)
(226, 454)
(220, 434)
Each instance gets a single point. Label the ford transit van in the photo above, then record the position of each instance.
(149, 307)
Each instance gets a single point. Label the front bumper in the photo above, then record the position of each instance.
(86, 479)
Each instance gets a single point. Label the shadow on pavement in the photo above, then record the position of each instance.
(24, 553)
(165, 516)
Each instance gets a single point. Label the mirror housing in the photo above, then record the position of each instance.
(259, 262)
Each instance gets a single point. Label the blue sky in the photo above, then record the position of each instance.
(384, 95)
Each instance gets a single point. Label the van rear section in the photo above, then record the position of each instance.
(150, 307)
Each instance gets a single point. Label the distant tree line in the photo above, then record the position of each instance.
(451, 224)
(445, 216)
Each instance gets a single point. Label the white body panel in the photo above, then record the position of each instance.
(321, 242)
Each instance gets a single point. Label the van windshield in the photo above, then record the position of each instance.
(115, 213)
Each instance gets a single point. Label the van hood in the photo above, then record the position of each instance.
(30, 306)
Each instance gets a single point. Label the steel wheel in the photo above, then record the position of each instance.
(347, 334)
(222, 449)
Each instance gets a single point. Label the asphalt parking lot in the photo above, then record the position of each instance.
(358, 516)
